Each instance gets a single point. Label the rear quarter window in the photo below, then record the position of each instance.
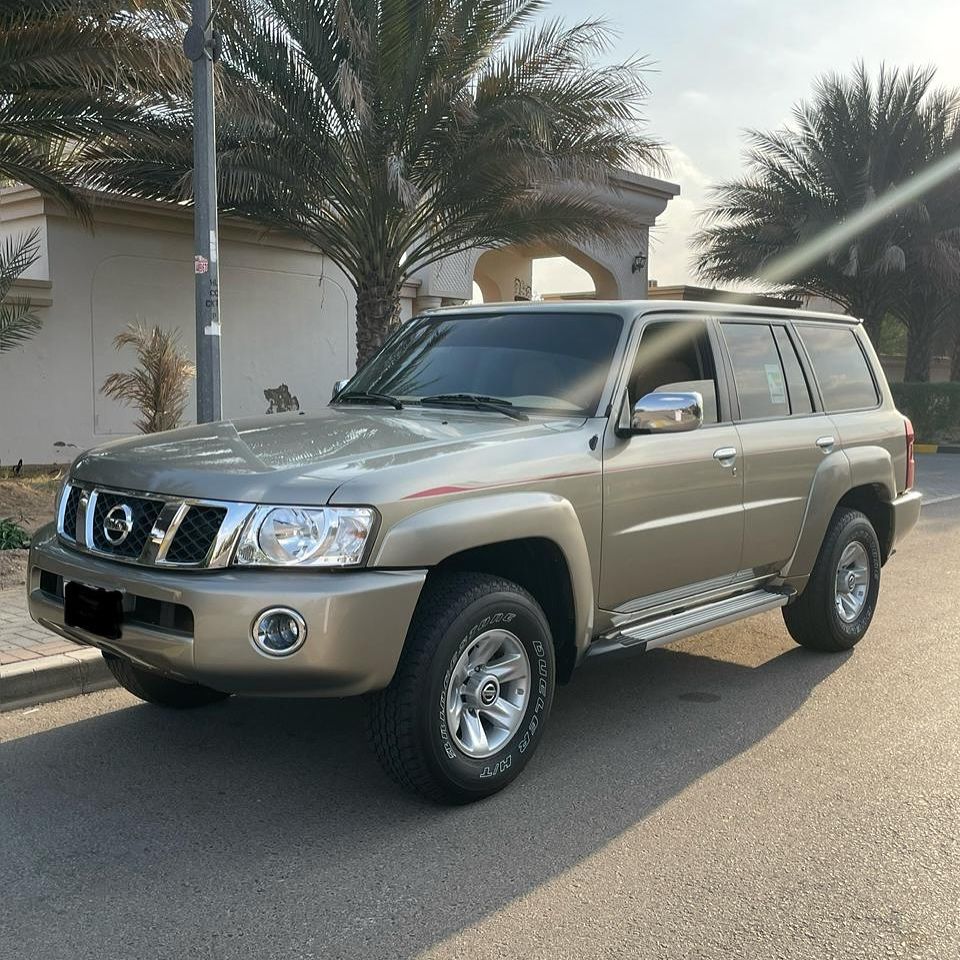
(841, 368)
(757, 371)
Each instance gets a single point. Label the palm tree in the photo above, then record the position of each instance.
(392, 133)
(74, 71)
(158, 385)
(856, 140)
(929, 297)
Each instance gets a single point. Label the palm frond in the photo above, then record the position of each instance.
(73, 72)
(18, 322)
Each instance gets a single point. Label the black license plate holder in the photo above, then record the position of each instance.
(93, 609)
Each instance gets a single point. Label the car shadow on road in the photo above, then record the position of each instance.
(265, 828)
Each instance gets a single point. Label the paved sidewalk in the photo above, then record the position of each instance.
(22, 639)
(36, 665)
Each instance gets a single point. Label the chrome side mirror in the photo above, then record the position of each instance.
(665, 413)
(338, 385)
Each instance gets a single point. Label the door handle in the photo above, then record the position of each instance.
(725, 456)
(826, 444)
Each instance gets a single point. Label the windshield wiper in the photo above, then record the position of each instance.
(358, 396)
(475, 401)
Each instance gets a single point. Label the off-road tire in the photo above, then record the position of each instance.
(407, 722)
(159, 690)
(812, 619)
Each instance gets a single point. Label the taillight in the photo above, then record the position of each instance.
(911, 462)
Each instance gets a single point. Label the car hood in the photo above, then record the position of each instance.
(290, 458)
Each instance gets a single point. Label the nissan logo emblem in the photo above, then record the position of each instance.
(117, 524)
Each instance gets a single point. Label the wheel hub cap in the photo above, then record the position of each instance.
(488, 693)
(853, 582)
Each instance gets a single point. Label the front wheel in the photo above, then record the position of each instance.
(472, 693)
(160, 690)
(834, 611)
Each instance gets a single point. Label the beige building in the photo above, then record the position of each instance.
(287, 310)
(657, 291)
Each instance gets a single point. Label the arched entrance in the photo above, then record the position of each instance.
(508, 273)
(618, 271)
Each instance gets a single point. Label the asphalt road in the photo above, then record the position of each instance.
(731, 796)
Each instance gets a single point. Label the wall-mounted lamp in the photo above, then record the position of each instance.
(522, 290)
(639, 262)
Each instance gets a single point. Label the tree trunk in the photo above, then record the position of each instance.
(378, 313)
(920, 337)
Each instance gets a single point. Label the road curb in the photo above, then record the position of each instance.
(936, 448)
(30, 682)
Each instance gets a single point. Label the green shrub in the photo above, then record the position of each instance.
(12, 536)
(933, 408)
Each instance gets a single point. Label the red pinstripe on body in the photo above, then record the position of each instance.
(444, 491)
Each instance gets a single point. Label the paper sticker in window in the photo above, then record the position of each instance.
(776, 384)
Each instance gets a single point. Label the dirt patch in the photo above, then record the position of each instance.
(29, 500)
(13, 568)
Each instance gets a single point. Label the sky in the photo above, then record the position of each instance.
(722, 66)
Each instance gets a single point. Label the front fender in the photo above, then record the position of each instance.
(428, 537)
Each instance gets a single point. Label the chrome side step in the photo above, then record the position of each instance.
(676, 626)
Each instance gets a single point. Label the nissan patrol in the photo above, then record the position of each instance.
(500, 493)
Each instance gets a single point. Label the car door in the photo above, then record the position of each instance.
(784, 438)
(672, 507)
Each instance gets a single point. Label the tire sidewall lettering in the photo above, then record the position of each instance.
(502, 763)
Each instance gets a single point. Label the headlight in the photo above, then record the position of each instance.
(305, 537)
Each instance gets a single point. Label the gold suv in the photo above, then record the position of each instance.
(501, 492)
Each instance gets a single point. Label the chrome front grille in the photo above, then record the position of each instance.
(196, 534)
(68, 520)
(144, 514)
(150, 529)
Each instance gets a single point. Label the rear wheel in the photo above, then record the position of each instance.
(160, 690)
(835, 610)
(467, 706)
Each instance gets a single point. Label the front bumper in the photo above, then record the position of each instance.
(195, 625)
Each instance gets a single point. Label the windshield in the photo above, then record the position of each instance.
(539, 362)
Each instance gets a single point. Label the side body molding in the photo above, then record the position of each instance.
(428, 537)
(839, 473)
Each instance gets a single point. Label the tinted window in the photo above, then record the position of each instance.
(676, 355)
(761, 384)
(549, 362)
(841, 367)
(797, 386)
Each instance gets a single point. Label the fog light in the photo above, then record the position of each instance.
(279, 631)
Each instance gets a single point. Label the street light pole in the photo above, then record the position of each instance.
(201, 48)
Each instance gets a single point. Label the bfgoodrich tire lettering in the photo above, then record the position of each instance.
(408, 722)
(813, 620)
